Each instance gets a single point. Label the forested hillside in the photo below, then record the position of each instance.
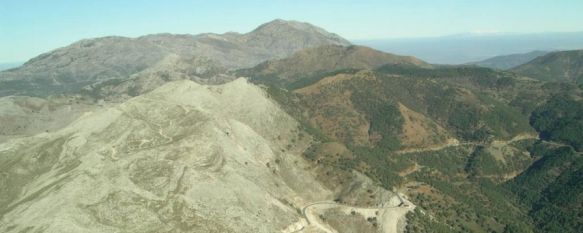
(462, 142)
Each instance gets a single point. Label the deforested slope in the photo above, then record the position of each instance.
(183, 158)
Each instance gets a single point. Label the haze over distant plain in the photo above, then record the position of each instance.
(465, 48)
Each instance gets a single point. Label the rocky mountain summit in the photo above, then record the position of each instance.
(92, 61)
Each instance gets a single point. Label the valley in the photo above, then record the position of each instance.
(286, 128)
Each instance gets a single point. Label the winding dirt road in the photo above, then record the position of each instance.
(312, 218)
(310, 212)
(455, 143)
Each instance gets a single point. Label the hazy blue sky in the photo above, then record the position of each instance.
(30, 27)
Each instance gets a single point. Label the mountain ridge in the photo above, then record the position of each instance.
(562, 66)
(94, 60)
(308, 65)
(505, 62)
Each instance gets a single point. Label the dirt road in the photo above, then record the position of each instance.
(389, 216)
(454, 143)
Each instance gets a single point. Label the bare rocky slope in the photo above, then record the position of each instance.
(22, 116)
(118, 58)
(183, 158)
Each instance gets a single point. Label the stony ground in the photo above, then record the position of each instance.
(183, 158)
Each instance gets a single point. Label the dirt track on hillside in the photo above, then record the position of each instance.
(455, 142)
(389, 216)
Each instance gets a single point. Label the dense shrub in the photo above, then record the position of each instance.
(560, 119)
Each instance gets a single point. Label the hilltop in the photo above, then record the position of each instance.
(565, 66)
(311, 64)
(505, 62)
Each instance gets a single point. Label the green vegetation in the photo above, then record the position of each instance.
(314, 78)
(484, 75)
(384, 117)
(288, 102)
(564, 66)
(504, 120)
(379, 167)
(465, 202)
(552, 189)
(560, 119)
(481, 163)
(293, 82)
(461, 98)
(477, 76)
(463, 188)
(419, 222)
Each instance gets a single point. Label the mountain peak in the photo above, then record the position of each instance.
(280, 21)
(284, 23)
(277, 26)
(286, 36)
(100, 59)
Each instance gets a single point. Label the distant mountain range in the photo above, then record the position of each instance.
(465, 48)
(505, 62)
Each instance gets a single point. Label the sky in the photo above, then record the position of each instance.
(31, 27)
